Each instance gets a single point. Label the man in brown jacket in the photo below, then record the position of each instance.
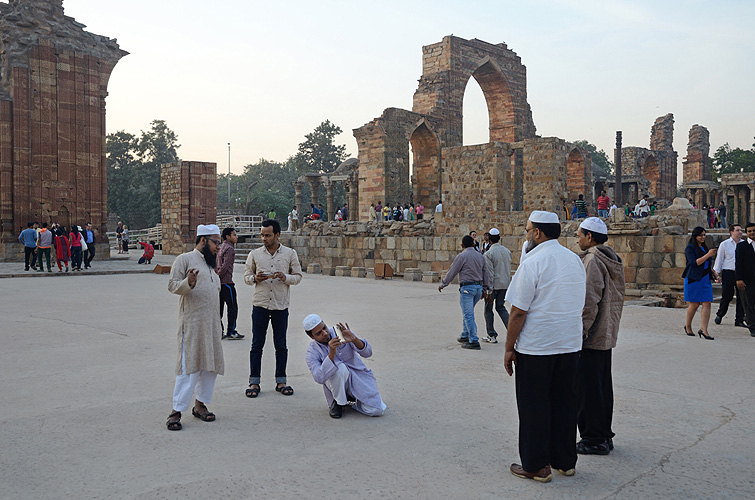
(604, 301)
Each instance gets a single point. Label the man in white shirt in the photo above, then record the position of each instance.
(547, 295)
(725, 267)
(644, 206)
(439, 206)
(294, 219)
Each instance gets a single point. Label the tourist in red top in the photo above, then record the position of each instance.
(74, 239)
(149, 252)
(603, 203)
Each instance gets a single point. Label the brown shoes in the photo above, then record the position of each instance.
(543, 475)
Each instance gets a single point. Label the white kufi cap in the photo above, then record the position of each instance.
(595, 225)
(494, 232)
(542, 217)
(311, 321)
(207, 230)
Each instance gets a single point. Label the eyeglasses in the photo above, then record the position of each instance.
(527, 231)
(217, 242)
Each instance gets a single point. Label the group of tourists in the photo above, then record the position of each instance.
(205, 274)
(74, 245)
(407, 212)
(563, 325)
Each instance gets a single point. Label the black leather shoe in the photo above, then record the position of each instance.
(336, 410)
(717, 319)
(471, 345)
(740, 323)
(592, 449)
(463, 340)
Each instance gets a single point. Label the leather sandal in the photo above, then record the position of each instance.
(252, 392)
(174, 421)
(286, 390)
(203, 413)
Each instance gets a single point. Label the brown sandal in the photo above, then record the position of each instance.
(174, 421)
(203, 413)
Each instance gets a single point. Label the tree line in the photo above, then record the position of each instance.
(133, 174)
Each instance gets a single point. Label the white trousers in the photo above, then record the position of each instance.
(338, 384)
(202, 383)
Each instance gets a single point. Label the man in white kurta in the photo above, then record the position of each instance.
(544, 337)
(200, 354)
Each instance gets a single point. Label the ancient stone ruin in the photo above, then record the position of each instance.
(53, 84)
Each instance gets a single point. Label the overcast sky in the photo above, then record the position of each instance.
(261, 75)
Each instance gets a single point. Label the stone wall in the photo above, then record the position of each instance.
(652, 249)
(697, 163)
(53, 84)
(188, 198)
(544, 174)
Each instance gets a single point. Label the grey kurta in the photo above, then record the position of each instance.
(198, 314)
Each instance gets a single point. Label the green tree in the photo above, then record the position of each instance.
(318, 153)
(729, 161)
(133, 165)
(269, 185)
(598, 157)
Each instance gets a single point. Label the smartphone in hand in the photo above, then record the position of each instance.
(339, 334)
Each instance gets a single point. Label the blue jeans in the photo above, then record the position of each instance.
(469, 296)
(602, 213)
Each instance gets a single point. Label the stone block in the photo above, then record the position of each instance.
(370, 273)
(343, 271)
(430, 277)
(314, 268)
(358, 272)
(328, 271)
(412, 274)
(390, 242)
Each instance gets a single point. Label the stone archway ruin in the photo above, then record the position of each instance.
(426, 151)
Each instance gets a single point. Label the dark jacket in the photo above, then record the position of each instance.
(744, 268)
(693, 272)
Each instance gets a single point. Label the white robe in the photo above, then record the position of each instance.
(198, 314)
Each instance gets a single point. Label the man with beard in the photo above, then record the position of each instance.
(271, 269)
(336, 363)
(200, 354)
(544, 338)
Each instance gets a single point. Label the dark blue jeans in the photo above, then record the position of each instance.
(261, 317)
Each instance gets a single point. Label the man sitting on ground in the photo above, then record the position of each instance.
(338, 366)
(149, 252)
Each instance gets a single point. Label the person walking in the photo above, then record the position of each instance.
(581, 207)
(271, 269)
(722, 213)
(473, 276)
(200, 354)
(294, 219)
(74, 239)
(697, 287)
(371, 215)
(90, 240)
(224, 268)
(726, 267)
(603, 204)
(745, 274)
(44, 246)
(547, 295)
(124, 238)
(604, 303)
(62, 249)
(29, 238)
(498, 265)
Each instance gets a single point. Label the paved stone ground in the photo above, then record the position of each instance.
(117, 264)
(88, 375)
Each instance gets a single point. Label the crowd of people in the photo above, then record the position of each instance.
(74, 245)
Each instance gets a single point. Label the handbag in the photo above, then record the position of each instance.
(84, 246)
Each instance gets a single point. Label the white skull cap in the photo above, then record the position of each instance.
(310, 322)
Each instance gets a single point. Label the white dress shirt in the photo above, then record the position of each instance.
(725, 257)
(550, 285)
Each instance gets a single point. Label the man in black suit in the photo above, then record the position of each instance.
(744, 270)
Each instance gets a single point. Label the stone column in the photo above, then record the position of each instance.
(329, 199)
(725, 199)
(352, 192)
(752, 204)
(314, 186)
(735, 215)
(298, 197)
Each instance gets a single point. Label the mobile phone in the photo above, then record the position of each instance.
(339, 334)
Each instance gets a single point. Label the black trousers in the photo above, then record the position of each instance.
(89, 255)
(546, 398)
(728, 286)
(261, 318)
(749, 307)
(228, 296)
(595, 396)
(30, 254)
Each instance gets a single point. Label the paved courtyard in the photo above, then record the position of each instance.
(88, 375)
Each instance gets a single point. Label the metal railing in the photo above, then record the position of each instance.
(245, 225)
(150, 234)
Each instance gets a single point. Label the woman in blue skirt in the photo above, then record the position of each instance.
(697, 287)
